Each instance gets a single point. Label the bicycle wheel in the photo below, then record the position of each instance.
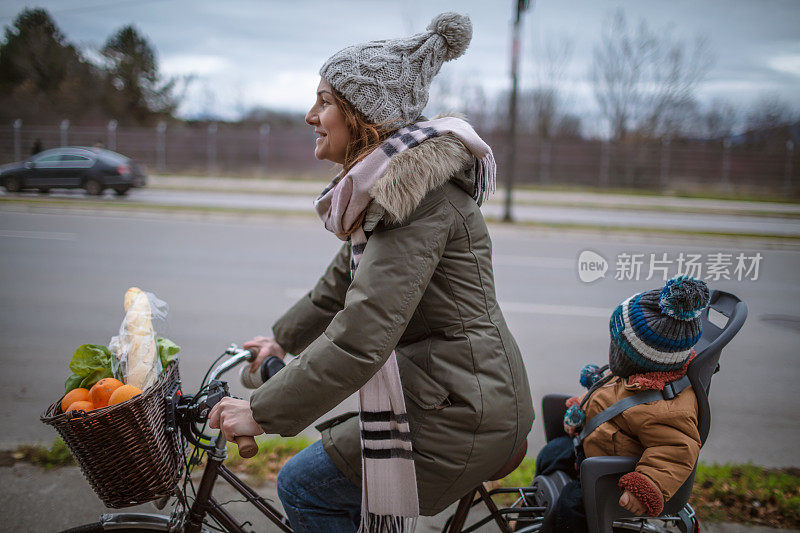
(617, 528)
(125, 523)
(647, 526)
(97, 527)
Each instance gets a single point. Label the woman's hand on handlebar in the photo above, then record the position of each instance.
(263, 347)
(234, 418)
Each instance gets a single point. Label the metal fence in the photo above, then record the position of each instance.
(719, 165)
(234, 150)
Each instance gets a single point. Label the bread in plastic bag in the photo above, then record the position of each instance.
(135, 346)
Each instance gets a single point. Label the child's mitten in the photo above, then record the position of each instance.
(590, 374)
(574, 417)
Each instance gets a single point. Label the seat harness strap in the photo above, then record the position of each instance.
(670, 390)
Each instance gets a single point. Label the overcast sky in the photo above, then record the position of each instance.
(248, 52)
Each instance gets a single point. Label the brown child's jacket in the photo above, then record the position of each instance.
(664, 433)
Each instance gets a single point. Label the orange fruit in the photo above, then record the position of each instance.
(124, 393)
(102, 391)
(75, 395)
(80, 406)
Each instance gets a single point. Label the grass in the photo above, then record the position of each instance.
(741, 493)
(56, 456)
(745, 494)
(272, 454)
(748, 494)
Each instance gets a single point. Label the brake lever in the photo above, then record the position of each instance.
(247, 444)
(220, 390)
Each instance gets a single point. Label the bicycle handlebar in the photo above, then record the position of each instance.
(246, 444)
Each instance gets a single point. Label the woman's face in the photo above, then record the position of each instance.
(329, 125)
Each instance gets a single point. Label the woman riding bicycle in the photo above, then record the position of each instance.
(405, 314)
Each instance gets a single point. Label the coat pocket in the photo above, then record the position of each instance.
(419, 387)
(329, 423)
(424, 396)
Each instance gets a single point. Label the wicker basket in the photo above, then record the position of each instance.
(124, 450)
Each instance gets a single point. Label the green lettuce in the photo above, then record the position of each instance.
(90, 363)
(167, 351)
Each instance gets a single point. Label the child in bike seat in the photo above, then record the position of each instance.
(652, 335)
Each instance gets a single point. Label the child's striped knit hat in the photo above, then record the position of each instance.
(654, 331)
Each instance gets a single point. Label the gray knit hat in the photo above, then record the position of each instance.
(654, 331)
(388, 80)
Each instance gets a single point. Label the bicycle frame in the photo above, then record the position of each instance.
(206, 504)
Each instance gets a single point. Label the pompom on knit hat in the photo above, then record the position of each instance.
(388, 81)
(654, 331)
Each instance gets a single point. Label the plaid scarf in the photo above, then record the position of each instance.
(389, 501)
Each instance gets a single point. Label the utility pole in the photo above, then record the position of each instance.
(521, 5)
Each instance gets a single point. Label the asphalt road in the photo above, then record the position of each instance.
(574, 215)
(228, 279)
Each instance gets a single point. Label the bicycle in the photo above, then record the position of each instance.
(184, 414)
(527, 514)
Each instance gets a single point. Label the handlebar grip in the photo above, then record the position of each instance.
(247, 446)
(253, 354)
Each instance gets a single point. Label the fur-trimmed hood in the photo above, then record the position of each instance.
(411, 174)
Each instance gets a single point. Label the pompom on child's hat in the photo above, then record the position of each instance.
(654, 331)
(388, 81)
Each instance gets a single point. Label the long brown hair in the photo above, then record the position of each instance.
(364, 135)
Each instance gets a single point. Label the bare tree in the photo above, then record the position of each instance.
(460, 93)
(769, 120)
(677, 120)
(569, 127)
(719, 119)
(769, 111)
(641, 77)
(442, 95)
(475, 105)
(542, 106)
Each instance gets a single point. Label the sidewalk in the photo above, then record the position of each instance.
(38, 500)
(585, 199)
(654, 216)
(573, 210)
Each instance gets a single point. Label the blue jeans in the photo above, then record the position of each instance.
(316, 496)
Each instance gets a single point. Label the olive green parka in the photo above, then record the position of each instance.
(424, 287)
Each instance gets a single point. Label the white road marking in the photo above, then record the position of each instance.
(543, 262)
(550, 309)
(50, 235)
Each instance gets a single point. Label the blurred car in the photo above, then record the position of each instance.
(74, 167)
